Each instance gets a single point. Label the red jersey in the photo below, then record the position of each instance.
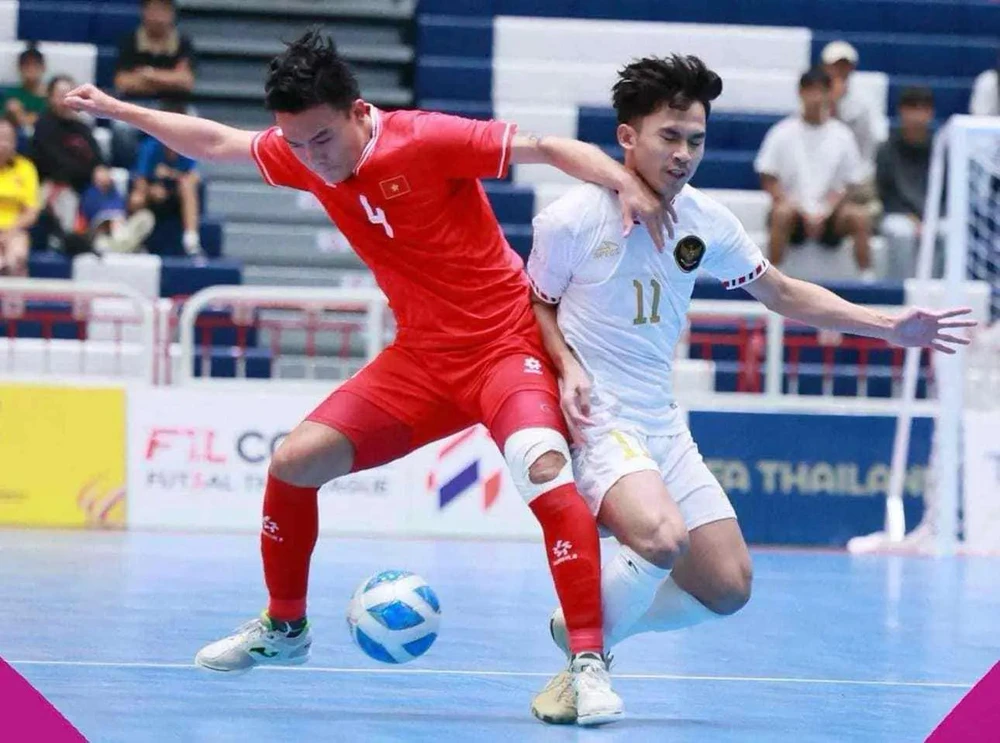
(417, 215)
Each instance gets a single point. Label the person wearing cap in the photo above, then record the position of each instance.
(902, 167)
(985, 99)
(840, 60)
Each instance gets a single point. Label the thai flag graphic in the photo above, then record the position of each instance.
(454, 472)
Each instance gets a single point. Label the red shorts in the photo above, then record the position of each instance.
(405, 398)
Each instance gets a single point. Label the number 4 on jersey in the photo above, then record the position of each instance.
(376, 216)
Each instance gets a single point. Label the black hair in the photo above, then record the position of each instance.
(55, 80)
(814, 76)
(310, 73)
(644, 85)
(171, 3)
(917, 95)
(9, 119)
(30, 54)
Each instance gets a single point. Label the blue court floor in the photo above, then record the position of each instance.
(831, 647)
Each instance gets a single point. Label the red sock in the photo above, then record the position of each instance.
(574, 551)
(287, 538)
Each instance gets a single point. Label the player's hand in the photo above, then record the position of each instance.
(92, 100)
(921, 328)
(639, 201)
(575, 400)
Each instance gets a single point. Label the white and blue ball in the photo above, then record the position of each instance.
(394, 616)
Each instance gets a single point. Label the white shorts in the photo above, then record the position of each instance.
(615, 452)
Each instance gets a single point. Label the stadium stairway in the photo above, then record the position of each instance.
(235, 39)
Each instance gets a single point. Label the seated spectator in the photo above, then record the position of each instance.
(18, 202)
(155, 63)
(985, 99)
(902, 169)
(840, 60)
(808, 163)
(27, 101)
(167, 183)
(105, 220)
(156, 60)
(65, 153)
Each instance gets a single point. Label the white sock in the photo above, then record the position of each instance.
(628, 583)
(672, 608)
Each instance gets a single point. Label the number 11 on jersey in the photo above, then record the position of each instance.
(640, 307)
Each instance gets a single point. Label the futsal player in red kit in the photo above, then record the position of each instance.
(404, 189)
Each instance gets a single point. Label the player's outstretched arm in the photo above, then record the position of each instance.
(574, 384)
(813, 305)
(589, 163)
(199, 139)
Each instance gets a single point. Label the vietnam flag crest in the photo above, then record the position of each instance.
(393, 187)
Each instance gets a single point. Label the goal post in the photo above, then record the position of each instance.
(964, 180)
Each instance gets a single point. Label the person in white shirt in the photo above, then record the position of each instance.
(847, 102)
(809, 163)
(985, 99)
(610, 310)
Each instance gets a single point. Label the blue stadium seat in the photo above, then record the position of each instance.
(455, 36)
(185, 276)
(454, 77)
(166, 237)
(511, 204)
(519, 237)
(225, 335)
(48, 264)
(107, 59)
(727, 131)
(223, 363)
(55, 21)
(934, 56)
(951, 95)
(68, 329)
(112, 21)
(968, 17)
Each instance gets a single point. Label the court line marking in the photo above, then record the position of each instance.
(504, 674)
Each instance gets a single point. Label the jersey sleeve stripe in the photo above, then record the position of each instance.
(748, 278)
(541, 295)
(505, 148)
(255, 153)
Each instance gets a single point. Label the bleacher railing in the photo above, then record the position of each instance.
(113, 332)
(174, 342)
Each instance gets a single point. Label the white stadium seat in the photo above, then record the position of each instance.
(79, 61)
(8, 20)
(615, 42)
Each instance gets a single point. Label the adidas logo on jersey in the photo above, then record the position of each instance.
(607, 249)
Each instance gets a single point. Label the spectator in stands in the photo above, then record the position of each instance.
(18, 202)
(105, 220)
(63, 146)
(902, 169)
(155, 63)
(840, 60)
(27, 101)
(66, 154)
(156, 60)
(167, 183)
(809, 163)
(985, 99)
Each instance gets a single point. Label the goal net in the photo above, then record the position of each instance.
(961, 220)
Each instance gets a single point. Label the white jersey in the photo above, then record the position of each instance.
(623, 304)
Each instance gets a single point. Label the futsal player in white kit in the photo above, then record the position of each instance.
(611, 310)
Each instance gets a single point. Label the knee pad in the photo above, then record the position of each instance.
(524, 447)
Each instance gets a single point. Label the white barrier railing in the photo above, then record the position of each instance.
(120, 339)
(244, 301)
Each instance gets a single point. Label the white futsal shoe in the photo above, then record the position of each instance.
(259, 641)
(581, 694)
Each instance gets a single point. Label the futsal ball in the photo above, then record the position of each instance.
(394, 616)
